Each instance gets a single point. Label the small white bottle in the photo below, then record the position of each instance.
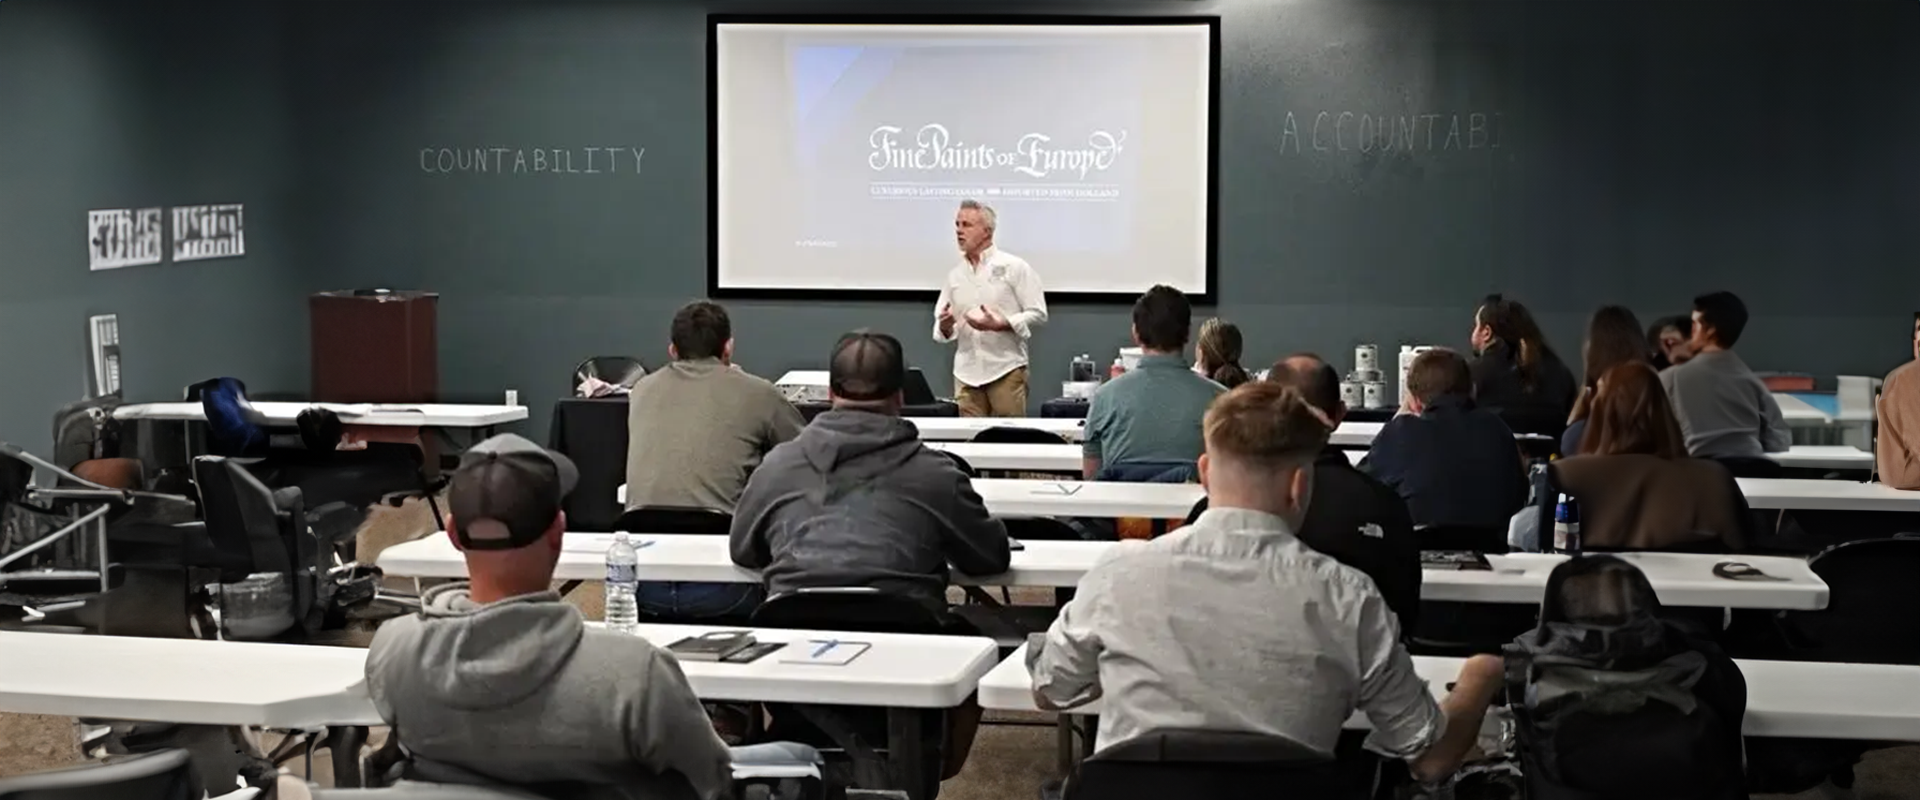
(623, 582)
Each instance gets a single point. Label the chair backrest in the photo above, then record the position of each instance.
(242, 516)
(1873, 604)
(675, 519)
(855, 608)
(1752, 467)
(621, 371)
(916, 391)
(160, 775)
(1040, 529)
(965, 468)
(1465, 537)
(1014, 434)
(1186, 763)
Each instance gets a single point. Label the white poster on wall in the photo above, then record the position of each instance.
(208, 232)
(123, 237)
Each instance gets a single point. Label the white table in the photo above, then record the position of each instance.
(1818, 495)
(299, 686)
(1036, 457)
(409, 415)
(1010, 497)
(960, 429)
(1680, 579)
(1784, 698)
(184, 680)
(705, 559)
(1825, 457)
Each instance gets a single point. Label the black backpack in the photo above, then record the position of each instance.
(1613, 703)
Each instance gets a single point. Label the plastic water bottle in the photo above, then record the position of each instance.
(1566, 526)
(623, 580)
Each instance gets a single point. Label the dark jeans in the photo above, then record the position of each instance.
(675, 600)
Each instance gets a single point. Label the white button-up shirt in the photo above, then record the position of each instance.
(1231, 624)
(1005, 283)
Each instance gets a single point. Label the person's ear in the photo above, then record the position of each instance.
(1339, 414)
(1300, 487)
(1202, 466)
(556, 534)
(726, 351)
(1135, 330)
(451, 536)
(673, 352)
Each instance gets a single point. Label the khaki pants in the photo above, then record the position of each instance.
(1006, 396)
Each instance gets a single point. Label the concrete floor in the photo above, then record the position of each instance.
(1009, 762)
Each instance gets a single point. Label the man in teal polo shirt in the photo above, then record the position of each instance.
(1147, 421)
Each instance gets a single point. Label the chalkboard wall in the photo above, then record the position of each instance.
(121, 105)
(1569, 153)
(1620, 151)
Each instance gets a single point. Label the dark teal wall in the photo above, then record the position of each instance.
(114, 105)
(1647, 151)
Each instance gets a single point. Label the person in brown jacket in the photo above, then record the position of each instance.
(1897, 451)
(1638, 489)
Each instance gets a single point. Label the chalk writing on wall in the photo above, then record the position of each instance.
(208, 232)
(617, 160)
(123, 237)
(1333, 131)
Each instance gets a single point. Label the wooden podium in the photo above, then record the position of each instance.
(374, 347)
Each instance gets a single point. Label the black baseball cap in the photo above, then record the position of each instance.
(866, 367)
(506, 492)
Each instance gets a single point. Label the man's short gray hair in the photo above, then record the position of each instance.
(987, 217)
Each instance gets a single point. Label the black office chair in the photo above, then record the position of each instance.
(1752, 467)
(1206, 764)
(621, 371)
(1014, 434)
(1458, 629)
(675, 519)
(855, 738)
(284, 583)
(160, 775)
(965, 468)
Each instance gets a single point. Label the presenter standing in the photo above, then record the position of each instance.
(989, 307)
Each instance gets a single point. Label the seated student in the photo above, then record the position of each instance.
(1897, 451)
(857, 500)
(1231, 624)
(1216, 353)
(498, 680)
(1637, 488)
(1613, 338)
(1723, 408)
(695, 430)
(1667, 341)
(1515, 374)
(1352, 517)
(1146, 423)
(1456, 464)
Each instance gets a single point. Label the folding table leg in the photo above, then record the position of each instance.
(344, 742)
(907, 750)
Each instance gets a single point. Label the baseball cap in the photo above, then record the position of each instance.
(506, 492)
(867, 366)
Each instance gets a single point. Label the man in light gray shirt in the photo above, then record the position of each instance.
(1232, 625)
(1724, 410)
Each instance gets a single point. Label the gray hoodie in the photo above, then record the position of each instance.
(521, 692)
(856, 500)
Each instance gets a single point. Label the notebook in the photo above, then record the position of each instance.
(824, 652)
(711, 646)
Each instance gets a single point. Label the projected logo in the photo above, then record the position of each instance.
(933, 148)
